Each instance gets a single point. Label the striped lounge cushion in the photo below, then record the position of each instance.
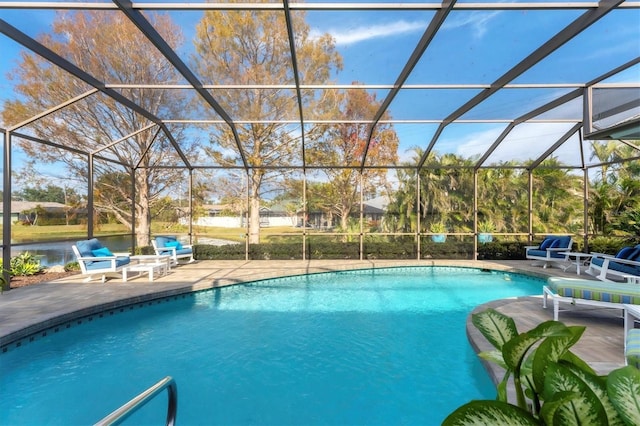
(596, 290)
(633, 347)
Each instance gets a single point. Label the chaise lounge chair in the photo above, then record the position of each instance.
(550, 250)
(625, 263)
(169, 245)
(95, 260)
(577, 291)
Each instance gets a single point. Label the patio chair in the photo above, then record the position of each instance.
(95, 260)
(550, 250)
(625, 263)
(169, 245)
(632, 347)
(578, 291)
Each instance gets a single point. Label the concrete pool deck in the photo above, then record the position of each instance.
(39, 308)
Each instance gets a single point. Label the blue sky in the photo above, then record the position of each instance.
(472, 47)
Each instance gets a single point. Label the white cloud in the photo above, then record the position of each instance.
(525, 142)
(478, 21)
(359, 34)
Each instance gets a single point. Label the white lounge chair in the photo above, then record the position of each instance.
(95, 260)
(625, 263)
(550, 251)
(169, 245)
(578, 291)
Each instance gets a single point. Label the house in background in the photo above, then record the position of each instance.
(284, 214)
(19, 210)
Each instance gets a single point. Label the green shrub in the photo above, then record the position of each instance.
(25, 264)
(225, 252)
(609, 245)
(390, 250)
(146, 250)
(502, 250)
(72, 266)
(275, 251)
(333, 250)
(450, 249)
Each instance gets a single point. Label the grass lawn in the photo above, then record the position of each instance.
(22, 233)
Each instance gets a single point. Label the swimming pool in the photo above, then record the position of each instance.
(376, 347)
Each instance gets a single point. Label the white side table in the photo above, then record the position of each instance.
(149, 268)
(151, 259)
(579, 259)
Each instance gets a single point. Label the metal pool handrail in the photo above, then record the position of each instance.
(136, 403)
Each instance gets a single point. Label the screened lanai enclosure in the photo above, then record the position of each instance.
(376, 127)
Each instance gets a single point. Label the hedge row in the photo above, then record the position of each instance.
(373, 250)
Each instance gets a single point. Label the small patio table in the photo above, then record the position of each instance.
(579, 256)
(148, 263)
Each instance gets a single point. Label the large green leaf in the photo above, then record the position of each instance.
(497, 328)
(623, 387)
(550, 408)
(515, 349)
(552, 349)
(569, 400)
(571, 358)
(599, 387)
(494, 356)
(494, 413)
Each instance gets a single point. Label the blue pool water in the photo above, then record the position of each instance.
(374, 347)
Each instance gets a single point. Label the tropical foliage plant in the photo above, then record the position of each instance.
(486, 225)
(553, 386)
(438, 228)
(25, 264)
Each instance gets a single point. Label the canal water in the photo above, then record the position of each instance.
(60, 253)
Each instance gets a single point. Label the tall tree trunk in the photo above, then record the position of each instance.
(254, 207)
(142, 210)
(344, 220)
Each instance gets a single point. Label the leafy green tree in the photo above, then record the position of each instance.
(402, 210)
(97, 40)
(446, 194)
(614, 196)
(503, 197)
(259, 53)
(342, 148)
(557, 196)
(51, 193)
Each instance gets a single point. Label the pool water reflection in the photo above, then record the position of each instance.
(384, 346)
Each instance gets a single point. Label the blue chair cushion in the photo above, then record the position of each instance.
(175, 244)
(546, 243)
(184, 251)
(634, 254)
(102, 252)
(633, 347)
(104, 264)
(86, 247)
(562, 242)
(620, 267)
(537, 253)
(543, 253)
(624, 252)
(161, 241)
(555, 243)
